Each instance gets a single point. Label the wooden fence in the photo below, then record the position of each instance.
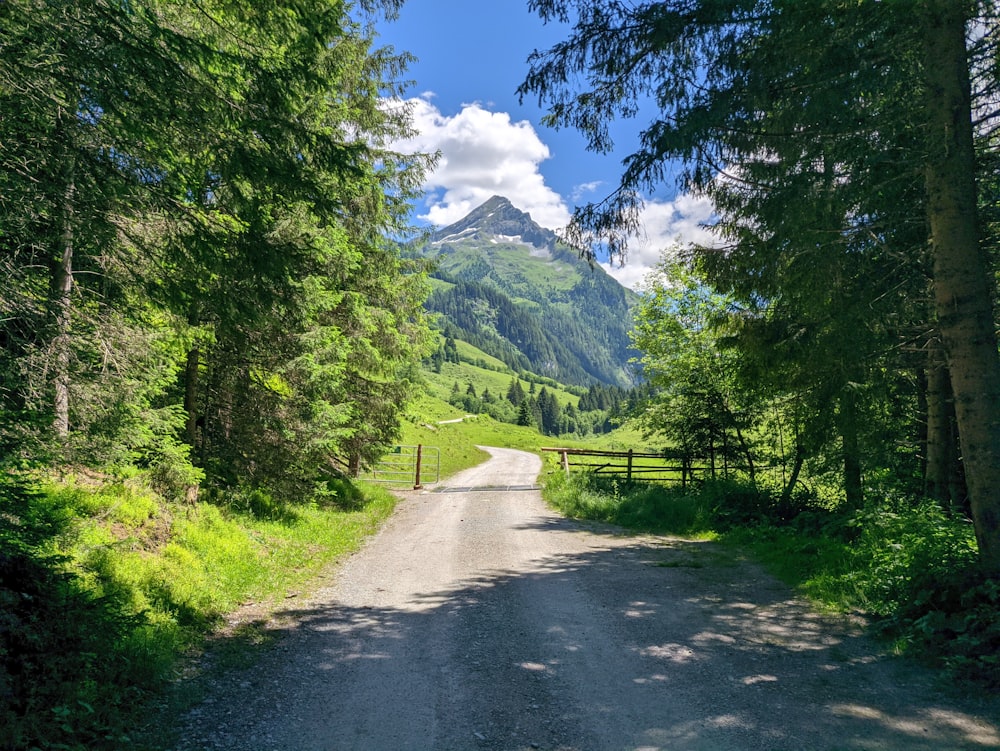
(637, 465)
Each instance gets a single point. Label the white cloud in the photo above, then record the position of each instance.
(483, 154)
(584, 188)
(667, 225)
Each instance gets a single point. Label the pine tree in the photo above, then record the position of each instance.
(515, 393)
(524, 416)
(831, 137)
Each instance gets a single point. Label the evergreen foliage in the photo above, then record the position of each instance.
(838, 146)
(200, 292)
(175, 282)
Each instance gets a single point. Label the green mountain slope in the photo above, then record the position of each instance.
(509, 287)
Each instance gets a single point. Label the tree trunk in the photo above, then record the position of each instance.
(747, 454)
(939, 448)
(944, 478)
(962, 276)
(191, 371)
(62, 298)
(847, 418)
(800, 459)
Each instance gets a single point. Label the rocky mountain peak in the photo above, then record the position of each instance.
(497, 218)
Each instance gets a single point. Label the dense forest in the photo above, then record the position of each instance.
(197, 280)
(199, 298)
(843, 323)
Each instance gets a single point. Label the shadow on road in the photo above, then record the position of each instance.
(679, 647)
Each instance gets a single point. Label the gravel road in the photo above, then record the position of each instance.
(479, 619)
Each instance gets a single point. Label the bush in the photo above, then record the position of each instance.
(902, 558)
(640, 506)
(917, 569)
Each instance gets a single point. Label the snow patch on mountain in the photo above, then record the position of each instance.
(465, 233)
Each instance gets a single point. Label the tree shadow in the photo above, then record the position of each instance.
(628, 645)
(67, 673)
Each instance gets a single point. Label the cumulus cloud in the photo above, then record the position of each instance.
(483, 154)
(666, 225)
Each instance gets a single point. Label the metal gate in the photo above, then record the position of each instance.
(406, 465)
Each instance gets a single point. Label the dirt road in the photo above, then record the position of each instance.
(479, 619)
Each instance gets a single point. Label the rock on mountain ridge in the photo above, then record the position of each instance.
(498, 218)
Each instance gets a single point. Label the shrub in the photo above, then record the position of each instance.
(59, 640)
(641, 506)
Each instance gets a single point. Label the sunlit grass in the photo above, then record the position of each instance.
(150, 579)
(430, 422)
(640, 507)
(189, 563)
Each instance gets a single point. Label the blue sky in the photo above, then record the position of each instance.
(471, 58)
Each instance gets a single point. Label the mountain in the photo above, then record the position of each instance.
(511, 288)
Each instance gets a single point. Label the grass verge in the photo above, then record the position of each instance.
(103, 585)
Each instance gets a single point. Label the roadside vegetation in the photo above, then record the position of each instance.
(206, 324)
(105, 585)
(911, 568)
(110, 577)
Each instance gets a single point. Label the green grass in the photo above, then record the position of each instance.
(471, 354)
(458, 442)
(637, 506)
(427, 417)
(463, 373)
(132, 582)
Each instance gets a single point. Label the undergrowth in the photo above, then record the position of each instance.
(638, 506)
(909, 566)
(104, 584)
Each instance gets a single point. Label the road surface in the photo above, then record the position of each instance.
(479, 619)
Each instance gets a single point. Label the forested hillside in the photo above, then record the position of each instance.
(512, 289)
(472, 381)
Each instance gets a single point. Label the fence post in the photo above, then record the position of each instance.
(711, 455)
(628, 474)
(416, 480)
(565, 461)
